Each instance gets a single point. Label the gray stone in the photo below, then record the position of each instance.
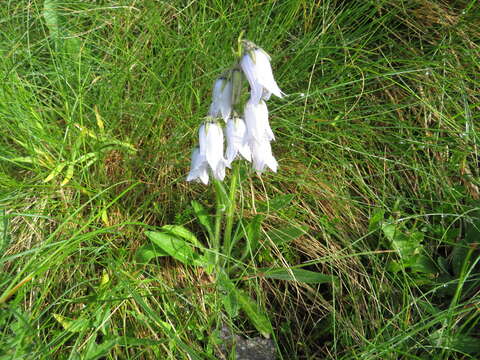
(256, 348)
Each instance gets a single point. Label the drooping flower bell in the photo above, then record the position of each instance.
(262, 155)
(210, 137)
(256, 118)
(236, 133)
(198, 168)
(209, 156)
(255, 64)
(221, 105)
(248, 136)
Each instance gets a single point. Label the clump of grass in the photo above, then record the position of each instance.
(100, 103)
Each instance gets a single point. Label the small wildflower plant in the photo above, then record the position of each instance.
(247, 129)
(242, 120)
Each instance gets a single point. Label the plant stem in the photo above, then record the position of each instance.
(227, 236)
(220, 209)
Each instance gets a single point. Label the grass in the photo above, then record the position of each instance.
(377, 142)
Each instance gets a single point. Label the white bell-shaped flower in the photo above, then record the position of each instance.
(255, 64)
(262, 155)
(256, 118)
(236, 132)
(221, 105)
(210, 137)
(198, 168)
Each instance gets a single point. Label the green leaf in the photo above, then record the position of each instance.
(423, 264)
(177, 248)
(376, 220)
(221, 194)
(229, 296)
(55, 172)
(131, 341)
(457, 342)
(52, 17)
(459, 255)
(96, 351)
(275, 204)
(256, 315)
(466, 344)
(102, 316)
(230, 303)
(68, 175)
(286, 234)
(73, 325)
(183, 233)
(148, 252)
(4, 234)
(408, 247)
(300, 275)
(253, 232)
(203, 217)
(24, 159)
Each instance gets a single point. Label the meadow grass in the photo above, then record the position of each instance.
(377, 142)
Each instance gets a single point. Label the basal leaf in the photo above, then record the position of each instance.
(177, 248)
(148, 252)
(182, 232)
(256, 315)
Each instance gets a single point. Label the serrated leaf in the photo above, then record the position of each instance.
(300, 275)
(203, 217)
(256, 315)
(275, 204)
(177, 248)
(148, 252)
(286, 234)
(73, 325)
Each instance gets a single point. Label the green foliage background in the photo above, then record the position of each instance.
(377, 142)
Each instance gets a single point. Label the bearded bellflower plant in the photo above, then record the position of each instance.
(240, 117)
(248, 135)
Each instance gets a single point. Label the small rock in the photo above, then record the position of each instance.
(256, 348)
